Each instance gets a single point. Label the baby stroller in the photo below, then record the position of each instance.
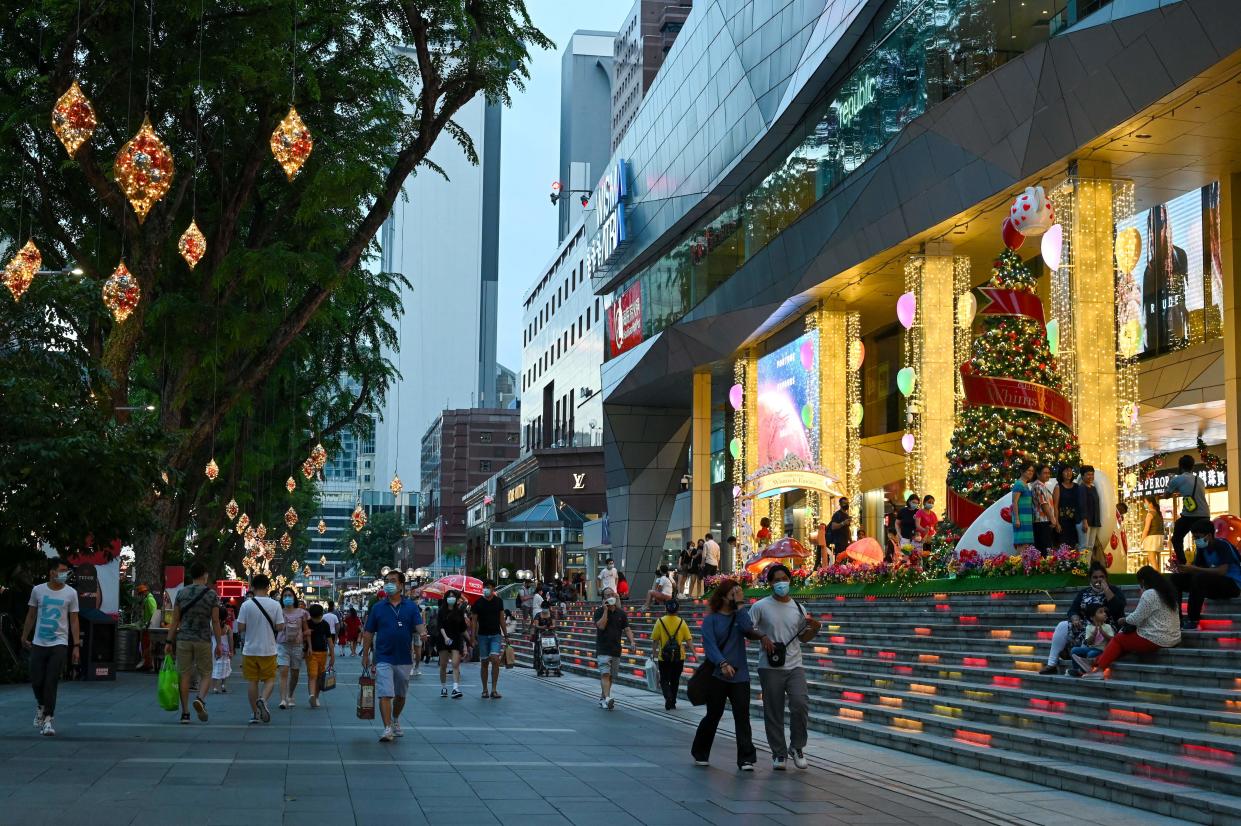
(546, 654)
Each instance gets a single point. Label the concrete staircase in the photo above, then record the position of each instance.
(954, 678)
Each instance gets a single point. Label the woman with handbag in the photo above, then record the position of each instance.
(1154, 624)
(454, 631)
(724, 677)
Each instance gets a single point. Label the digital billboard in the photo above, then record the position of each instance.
(625, 321)
(788, 408)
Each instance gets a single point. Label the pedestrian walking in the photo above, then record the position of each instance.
(783, 625)
(490, 635)
(390, 628)
(724, 632)
(293, 641)
(52, 635)
(147, 616)
(322, 654)
(258, 620)
(454, 628)
(331, 618)
(353, 629)
(668, 639)
(195, 624)
(610, 622)
(710, 556)
(608, 577)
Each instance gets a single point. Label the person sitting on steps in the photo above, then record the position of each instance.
(1069, 632)
(1215, 574)
(1153, 625)
(1094, 639)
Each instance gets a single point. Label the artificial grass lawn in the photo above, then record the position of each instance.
(957, 585)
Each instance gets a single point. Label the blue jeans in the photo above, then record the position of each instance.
(1086, 652)
(489, 645)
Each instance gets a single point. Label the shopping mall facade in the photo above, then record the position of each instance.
(798, 166)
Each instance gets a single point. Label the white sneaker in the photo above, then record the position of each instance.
(1093, 675)
(47, 730)
(777, 764)
(611, 704)
(291, 703)
(314, 702)
(799, 760)
(388, 736)
(38, 717)
(603, 702)
(283, 703)
(396, 729)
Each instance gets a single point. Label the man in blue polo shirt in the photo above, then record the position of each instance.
(1215, 574)
(390, 627)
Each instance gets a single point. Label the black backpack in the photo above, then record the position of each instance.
(671, 650)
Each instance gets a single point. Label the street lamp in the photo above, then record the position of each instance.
(504, 573)
(385, 570)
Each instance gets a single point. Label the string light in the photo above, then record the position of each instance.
(212, 470)
(19, 273)
(853, 396)
(121, 293)
(73, 119)
(290, 517)
(231, 510)
(915, 267)
(291, 143)
(192, 245)
(290, 484)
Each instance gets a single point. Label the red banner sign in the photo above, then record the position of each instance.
(1017, 395)
(1011, 302)
(625, 320)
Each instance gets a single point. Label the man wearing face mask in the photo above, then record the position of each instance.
(783, 625)
(487, 627)
(610, 621)
(390, 627)
(608, 577)
(258, 619)
(52, 619)
(1215, 574)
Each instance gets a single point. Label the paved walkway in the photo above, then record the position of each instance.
(544, 754)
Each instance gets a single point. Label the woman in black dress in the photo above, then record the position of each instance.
(454, 627)
(1067, 501)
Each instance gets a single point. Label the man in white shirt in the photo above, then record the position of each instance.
(609, 577)
(53, 619)
(662, 590)
(710, 557)
(258, 619)
(331, 618)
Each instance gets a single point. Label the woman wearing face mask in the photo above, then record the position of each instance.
(724, 633)
(1066, 499)
(454, 627)
(291, 646)
(1023, 508)
(1070, 630)
(1154, 624)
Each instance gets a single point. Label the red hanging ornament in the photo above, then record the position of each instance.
(73, 119)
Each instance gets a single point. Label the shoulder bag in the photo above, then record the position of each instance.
(696, 688)
(779, 653)
(263, 611)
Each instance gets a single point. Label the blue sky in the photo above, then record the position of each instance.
(529, 159)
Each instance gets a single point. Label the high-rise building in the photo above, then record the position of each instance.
(585, 118)
(638, 51)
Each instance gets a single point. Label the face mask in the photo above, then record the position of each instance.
(288, 602)
(781, 588)
(451, 600)
(929, 506)
(1198, 543)
(486, 592)
(1098, 586)
(390, 588)
(611, 600)
(62, 577)
(611, 566)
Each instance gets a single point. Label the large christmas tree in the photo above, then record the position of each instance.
(1014, 411)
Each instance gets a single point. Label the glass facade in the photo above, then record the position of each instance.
(915, 54)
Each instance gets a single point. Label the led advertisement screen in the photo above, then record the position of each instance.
(625, 321)
(788, 405)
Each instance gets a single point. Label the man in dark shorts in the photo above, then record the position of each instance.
(487, 625)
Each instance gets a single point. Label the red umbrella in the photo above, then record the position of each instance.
(470, 587)
(431, 589)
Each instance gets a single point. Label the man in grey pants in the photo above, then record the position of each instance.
(783, 626)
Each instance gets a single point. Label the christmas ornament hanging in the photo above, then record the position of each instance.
(73, 119)
(192, 245)
(212, 470)
(144, 169)
(19, 273)
(353, 546)
(322, 527)
(290, 485)
(231, 509)
(242, 523)
(262, 531)
(318, 457)
(285, 541)
(121, 293)
(291, 143)
(308, 469)
(358, 518)
(290, 517)
(396, 487)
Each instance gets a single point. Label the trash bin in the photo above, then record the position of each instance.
(98, 656)
(126, 648)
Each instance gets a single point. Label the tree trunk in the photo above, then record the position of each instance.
(149, 550)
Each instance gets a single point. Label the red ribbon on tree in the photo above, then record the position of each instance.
(961, 510)
(1015, 394)
(1011, 302)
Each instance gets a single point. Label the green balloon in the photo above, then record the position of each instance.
(734, 447)
(905, 380)
(1053, 336)
(807, 415)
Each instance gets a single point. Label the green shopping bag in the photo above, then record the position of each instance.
(169, 690)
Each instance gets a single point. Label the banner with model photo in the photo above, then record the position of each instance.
(788, 404)
(1171, 293)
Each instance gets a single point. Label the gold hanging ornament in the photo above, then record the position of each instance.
(19, 273)
(396, 487)
(192, 245)
(144, 169)
(290, 485)
(318, 457)
(359, 518)
(231, 510)
(242, 524)
(322, 528)
(73, 119)
(121, 294)
(308, 469)
(286, 541)
(262, 531)
(290, 517)
(212, 470)
(291, 143)
(353, 546)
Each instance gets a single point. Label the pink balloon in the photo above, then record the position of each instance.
(807, 355)
(907, 442)
(906, 306)
(736, 491)
(1052, 245)
(735, 394)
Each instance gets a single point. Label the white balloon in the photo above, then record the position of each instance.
(1052, 245)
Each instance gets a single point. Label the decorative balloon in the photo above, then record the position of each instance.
(807, 354)
(855, 414)
(857, 354)
(906, 307)
(736, 395)
(1128, 249)
(905, 379)
(907, 442)
(734, 447)
(967, 308)
(1052, 246)
(736, 491)
(1012, 238)
(1130, 338)
(1031, 212)
(1053, 336)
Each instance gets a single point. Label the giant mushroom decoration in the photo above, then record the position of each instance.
(787, 551)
